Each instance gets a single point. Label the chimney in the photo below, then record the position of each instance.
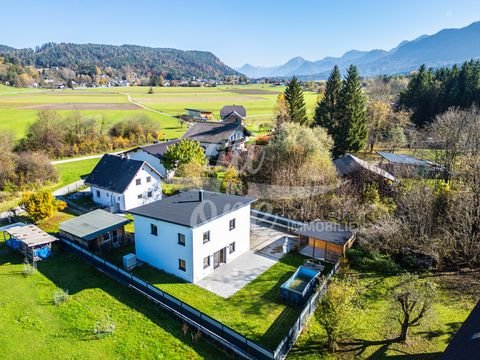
(200, 195)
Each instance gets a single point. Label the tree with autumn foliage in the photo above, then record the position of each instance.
(41, 205)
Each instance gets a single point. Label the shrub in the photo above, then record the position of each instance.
(60, 296)
(41, 205)
(262, 140)
(371, 261)
(104, 327)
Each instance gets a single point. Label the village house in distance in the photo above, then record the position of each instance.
(122, 184)
(215, 137)
(190, 234)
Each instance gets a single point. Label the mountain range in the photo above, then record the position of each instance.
(447, 47)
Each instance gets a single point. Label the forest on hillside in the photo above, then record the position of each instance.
(127, 62)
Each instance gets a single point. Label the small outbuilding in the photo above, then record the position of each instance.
(408, 166)
(29, 240)
(97, 230)
(324, 240)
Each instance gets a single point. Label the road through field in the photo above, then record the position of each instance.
(130, 99)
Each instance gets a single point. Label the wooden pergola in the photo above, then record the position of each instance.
(31, 241)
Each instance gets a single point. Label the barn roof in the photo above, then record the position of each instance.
(349, 164)
(403, 159)
(93, 224)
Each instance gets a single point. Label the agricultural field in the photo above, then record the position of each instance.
(33, 326)
(18, 107)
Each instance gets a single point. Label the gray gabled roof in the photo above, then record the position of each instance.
(186, 209)
(114, 173)
(328, 231)
(228, 109)
(158, 150)
(93, 224)
(349, 164)
(213, 132)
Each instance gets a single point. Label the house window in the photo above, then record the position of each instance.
(138, 181)
(149, 179)
(98, 193)
(206, 262)
(206, 237)
(153, 229)
(231, 248)
(149, 194)
(181, 239)
(232, 224)
(182, 265)
(139, 196)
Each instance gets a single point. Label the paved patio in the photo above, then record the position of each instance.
(266, 248)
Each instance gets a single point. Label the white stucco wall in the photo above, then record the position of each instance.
(153, 161)
(133, 191)
(221, 237)
(163, 251)
(129, 198)
(107, 198)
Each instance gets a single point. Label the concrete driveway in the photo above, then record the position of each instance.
(266, 248)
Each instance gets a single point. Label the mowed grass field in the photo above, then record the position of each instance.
(19, 107)
(32, 326)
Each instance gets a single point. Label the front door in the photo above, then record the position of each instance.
(219, 257)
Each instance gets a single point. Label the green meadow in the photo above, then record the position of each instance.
(19, 107)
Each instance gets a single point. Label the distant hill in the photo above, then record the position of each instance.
(140, 60)
(447, 47)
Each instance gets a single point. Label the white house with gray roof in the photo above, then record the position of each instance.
(122, 184)
(192, 233)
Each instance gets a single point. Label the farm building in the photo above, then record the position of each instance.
(121, 183)
(199, 115)
(97, 230)
(349, 165)
(153, 155)
(34, 243)
(324, 240)
(192, 233)
(215, 137)
(408, 166)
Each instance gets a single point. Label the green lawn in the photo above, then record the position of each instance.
(18, 107)
(255, 311)
(372, 323)
(33, 327)
(73, 171)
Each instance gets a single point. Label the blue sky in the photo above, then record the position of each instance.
(260, 32)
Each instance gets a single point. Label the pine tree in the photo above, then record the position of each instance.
(352, 132)
(297, 111)
(327, 111)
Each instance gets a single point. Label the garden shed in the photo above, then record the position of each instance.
(97, 230)
(29, 240)
(324, 240)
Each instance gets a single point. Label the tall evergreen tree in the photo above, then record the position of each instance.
(327, 113)
(297, 111)
(352, 132)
